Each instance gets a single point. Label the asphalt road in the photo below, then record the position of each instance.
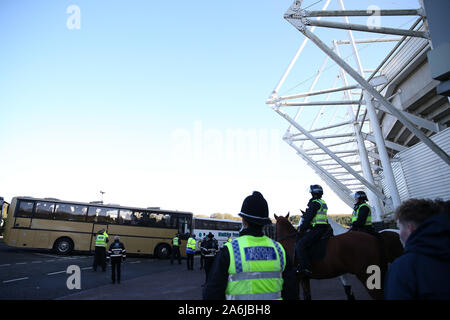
(38, 274)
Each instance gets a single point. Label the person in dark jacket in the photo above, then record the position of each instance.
(314, 225)
(202, 254)
(117, 254)
(255, 215)
(423, 271)
(209, 249)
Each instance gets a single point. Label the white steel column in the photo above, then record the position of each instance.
(363, 156)
(385, 160)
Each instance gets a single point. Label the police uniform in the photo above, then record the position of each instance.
(175, 249)
(100, 251)
(117, 254)
(190, 252)
(362, 219)
(314, 226)
(252, 266)
(209, 249)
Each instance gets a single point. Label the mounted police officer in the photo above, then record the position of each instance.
(117, 254)
(100, 250)
(190, 251)
(209, 249)
(314, 225)
(252, 266)
(362, 214)
(175, 249)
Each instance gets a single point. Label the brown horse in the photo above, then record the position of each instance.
(350, 252)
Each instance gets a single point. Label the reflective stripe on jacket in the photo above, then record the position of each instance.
(100, 240)
(117, 250)
(255, 270)
(190, 246)
(321, 215)
(356, 213)
(175, 242)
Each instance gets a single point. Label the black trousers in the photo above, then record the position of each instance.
(99, 258)
(202, 261)
(115, 265)
(175, 254)
(190, 261)
(305, 242)
(208, 264)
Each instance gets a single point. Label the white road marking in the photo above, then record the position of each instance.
(86, 268)
(50, 274)
(21, 263)
(36, 262)
(7, 281)
(5, 265)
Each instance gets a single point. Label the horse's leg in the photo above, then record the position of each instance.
(347, 287)
(376, 294)
(306, 288)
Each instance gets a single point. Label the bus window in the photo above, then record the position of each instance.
(157, 220)
(137, 219)
(124, 216)
(111, 215)
(173, 221)
(70, 212)
(97, 214)
(44, 210)
(25, 209)
(184, 225)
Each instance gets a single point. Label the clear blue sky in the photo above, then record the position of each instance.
(154, 102)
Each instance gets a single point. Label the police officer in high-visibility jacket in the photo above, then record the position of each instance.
(362, 214)
(190, 252)
(175, 249)
(100, 250)
(252, 266)
(314, 225)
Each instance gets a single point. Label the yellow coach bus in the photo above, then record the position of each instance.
(65, 226)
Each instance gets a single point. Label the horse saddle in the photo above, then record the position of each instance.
(318, 249)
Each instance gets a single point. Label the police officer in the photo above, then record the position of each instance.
(202, 254)
(117, 254)
(362, 215)
(252, 266)
(209, 249)
(314, 225)
(176, 249)
(190, 251)
(100, 250)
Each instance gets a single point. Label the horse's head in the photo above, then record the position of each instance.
(283, 226)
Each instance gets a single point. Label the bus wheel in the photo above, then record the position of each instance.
(162, 251)
(63, 246)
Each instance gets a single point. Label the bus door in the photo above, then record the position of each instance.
(97, 215)
(95, 229)
(101, 217)
(22, 224)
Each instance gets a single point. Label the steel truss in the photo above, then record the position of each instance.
(350, 155)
